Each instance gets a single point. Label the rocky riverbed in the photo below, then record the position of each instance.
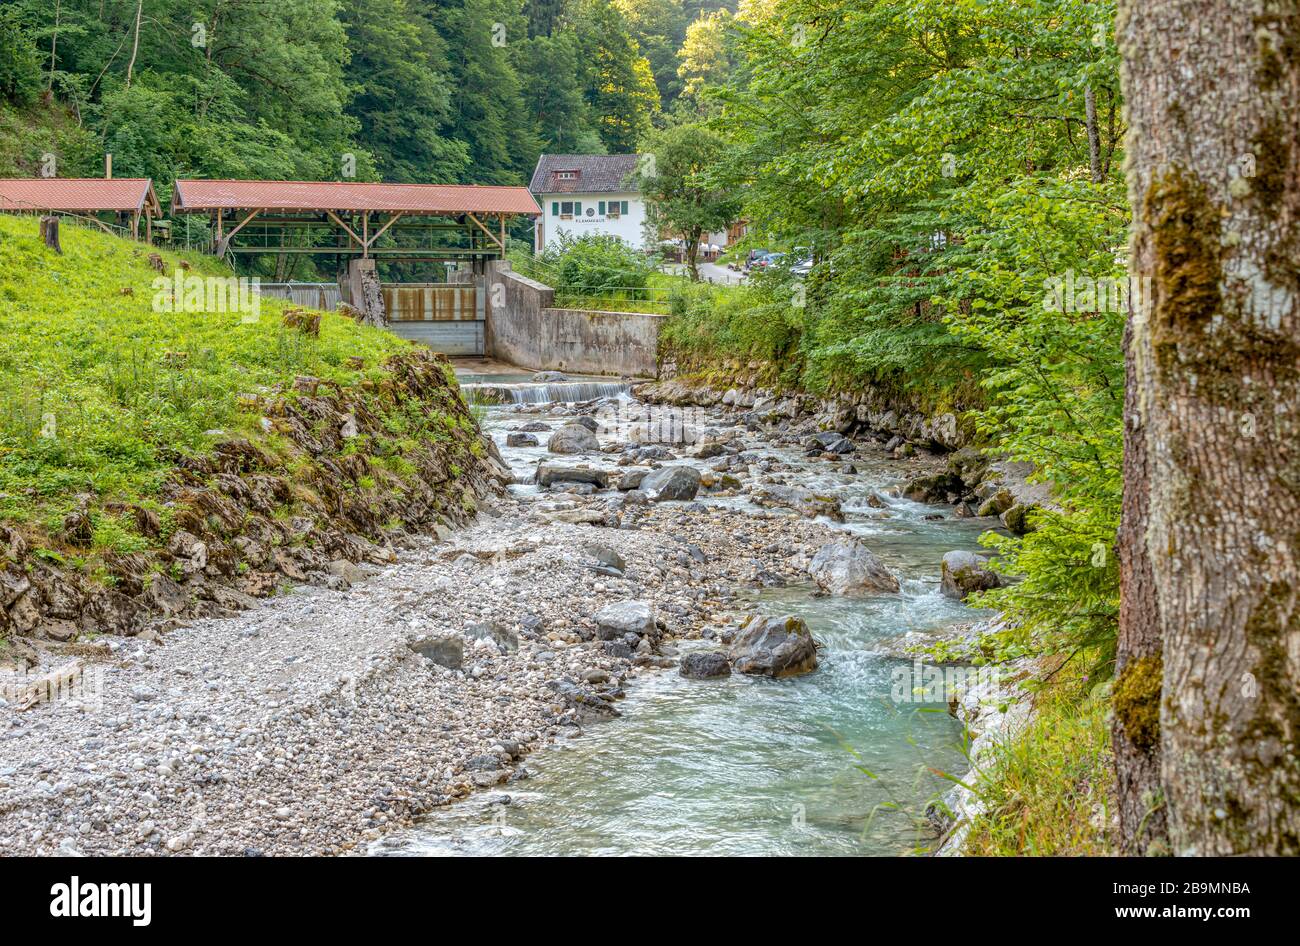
(324, 718)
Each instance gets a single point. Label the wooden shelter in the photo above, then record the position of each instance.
(131, 200)
(345, 219)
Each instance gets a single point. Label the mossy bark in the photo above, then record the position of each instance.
(1213, 427)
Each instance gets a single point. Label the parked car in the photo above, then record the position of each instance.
(752, 258)
(801, 267)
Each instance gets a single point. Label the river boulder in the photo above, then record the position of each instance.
(774, 647)
(828, 441)
(847, 567)
(705, 665)
(445, 651)
(573, 438)
(1016, 519)
(964, 573)
(550, 473)
(625, 617)
(521, 440)
(672, 483)
(807, 503)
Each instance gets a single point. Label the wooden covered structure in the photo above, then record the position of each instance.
(345, 219)
(130, 199)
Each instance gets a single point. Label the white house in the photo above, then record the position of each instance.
(587, 193)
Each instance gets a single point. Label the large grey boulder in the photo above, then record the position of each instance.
(705, 664)
(672, 483)
(573, 438)
(774, 647)
(807, 503)
(964, 573)
(549, 473)
(625, 617)
(847, 567)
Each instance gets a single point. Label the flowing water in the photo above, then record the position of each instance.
(826, 763)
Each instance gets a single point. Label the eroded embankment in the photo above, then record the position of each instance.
(333, 476)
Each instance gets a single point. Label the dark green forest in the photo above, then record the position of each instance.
(396, 90)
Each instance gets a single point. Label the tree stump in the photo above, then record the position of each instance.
(50, 233)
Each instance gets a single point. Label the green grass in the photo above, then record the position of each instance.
(100, 394)
(1049, 792)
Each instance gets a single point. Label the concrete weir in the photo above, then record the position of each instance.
(525, 329)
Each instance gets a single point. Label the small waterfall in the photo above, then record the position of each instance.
(566, 392)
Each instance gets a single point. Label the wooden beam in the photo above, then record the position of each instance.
(381, 230)
(225, 242)
(333, 216)
(490, 235)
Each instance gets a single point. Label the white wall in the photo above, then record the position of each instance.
(629, 227)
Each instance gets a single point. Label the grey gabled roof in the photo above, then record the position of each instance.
(597, 173)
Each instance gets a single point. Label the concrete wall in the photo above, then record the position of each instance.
(525, 329)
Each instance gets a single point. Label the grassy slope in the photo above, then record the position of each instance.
(130, 390)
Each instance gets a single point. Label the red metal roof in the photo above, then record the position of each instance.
(79, 195)
(350, 196)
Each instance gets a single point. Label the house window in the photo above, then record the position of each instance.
(566, 175)
(566, 210)
(617, 208)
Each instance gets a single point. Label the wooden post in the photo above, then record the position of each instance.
(50, 233)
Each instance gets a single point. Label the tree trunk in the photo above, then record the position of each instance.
(54, 46)
(50, 233)
(692, 253)
(1094, 134)
(1213, 88)
(1135, 734)
(135, 43)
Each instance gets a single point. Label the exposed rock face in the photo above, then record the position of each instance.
(964, 573)
(774, 647)
(847, 567)
(703, 665)
(617, 620)
(672, 483)
(573, 438)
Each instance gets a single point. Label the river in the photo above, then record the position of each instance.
(827, 763)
